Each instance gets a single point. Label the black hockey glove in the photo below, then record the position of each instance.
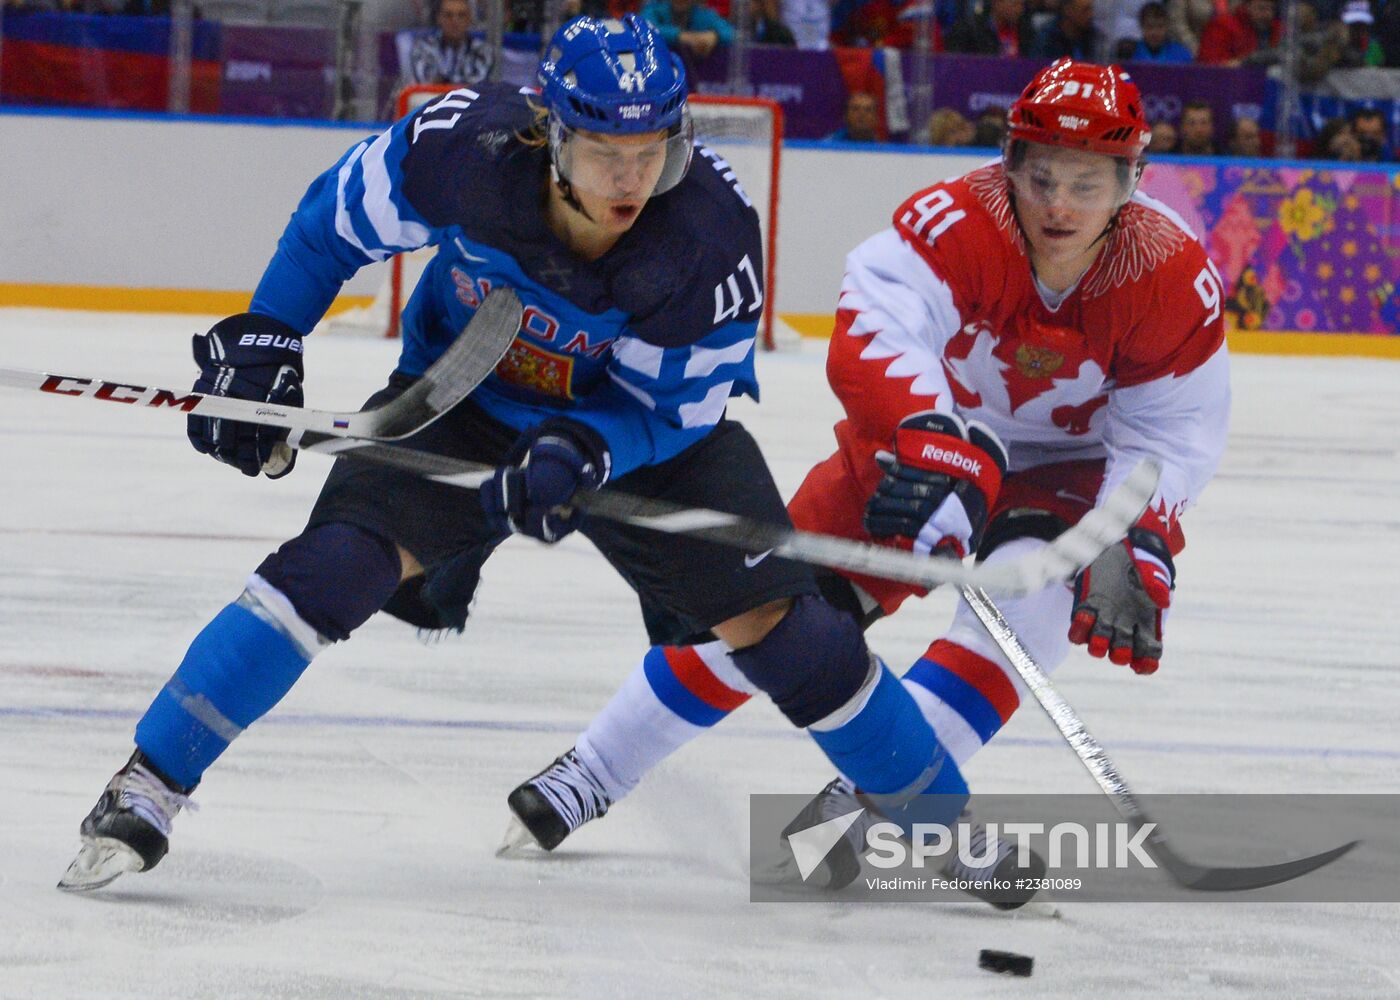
(248, 357)
(939, 484)
(1119, 601)
(531, 489)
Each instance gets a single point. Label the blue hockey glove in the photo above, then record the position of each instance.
(939, 484)
(531, 490)
(247, 357)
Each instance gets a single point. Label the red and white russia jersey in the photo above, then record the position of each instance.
(943, 312)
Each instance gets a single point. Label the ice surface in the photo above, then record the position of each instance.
(344, 845)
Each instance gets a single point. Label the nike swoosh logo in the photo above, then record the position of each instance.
(752, 561)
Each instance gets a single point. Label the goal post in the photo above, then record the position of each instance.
(747, 132)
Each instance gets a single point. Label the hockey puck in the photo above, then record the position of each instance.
(1007, 963)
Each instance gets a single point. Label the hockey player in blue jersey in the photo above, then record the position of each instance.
(637, 263)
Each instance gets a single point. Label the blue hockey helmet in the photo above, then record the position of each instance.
(615, 76)
(612, 75)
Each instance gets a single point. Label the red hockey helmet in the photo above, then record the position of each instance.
(1083, 106)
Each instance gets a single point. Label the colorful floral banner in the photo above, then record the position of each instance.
(1299, 248)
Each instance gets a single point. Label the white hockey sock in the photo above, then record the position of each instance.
(964, 685)
(673, 695)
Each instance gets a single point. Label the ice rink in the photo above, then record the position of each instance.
(344, 846)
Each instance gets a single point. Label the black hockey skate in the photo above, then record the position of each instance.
(993, 882)
(129, 828)
(552, 805)
(841, 866)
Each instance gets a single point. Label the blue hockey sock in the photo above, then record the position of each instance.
(234, 672)
(882, 742)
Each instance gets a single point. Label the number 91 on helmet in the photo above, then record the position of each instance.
(619, 127)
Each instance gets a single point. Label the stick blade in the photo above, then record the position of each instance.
(452, 377)
(1202, 879)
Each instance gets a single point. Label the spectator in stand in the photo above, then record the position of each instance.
(1245, 138)
(1360, 49)
(1337, 141)
(862, 122)
(1188, 19)
(1368, 125)
(1005, 30)
(947, 127)
(1163, 138)
(1197, 130)
(1156, 43)
(1248, 34)
(1320, 43)
(689, 26)
(1120, 25)
(768, 27)
(875, 23)
(991, 129)
(810, 21)
(1042, 12)
(1388, 32)
(450, 54)
(524, 17)
(1072, 34)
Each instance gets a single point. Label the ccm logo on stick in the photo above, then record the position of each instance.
(933, 453)
(117, 392)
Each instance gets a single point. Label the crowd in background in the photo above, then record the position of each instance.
(1359, 137)
(1332, 35)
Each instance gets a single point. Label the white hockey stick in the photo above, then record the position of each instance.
(1095, 759)
(468, 360)
(1060, 560)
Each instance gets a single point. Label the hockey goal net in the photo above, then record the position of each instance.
(747, 132)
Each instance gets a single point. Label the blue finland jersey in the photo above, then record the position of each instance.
(645, 344)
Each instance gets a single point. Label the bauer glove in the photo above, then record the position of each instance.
(547, 465)
(247, 357)
(939, 484)
(1120, 600)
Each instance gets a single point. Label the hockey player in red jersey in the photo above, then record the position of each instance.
(1005, 352)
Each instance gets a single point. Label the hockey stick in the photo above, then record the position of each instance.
(468, 360)
(1061, 559)
(1095, 759)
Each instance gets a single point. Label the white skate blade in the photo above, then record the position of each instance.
(517, 842)
(100, 862)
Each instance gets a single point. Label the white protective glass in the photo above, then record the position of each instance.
(623, 167)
